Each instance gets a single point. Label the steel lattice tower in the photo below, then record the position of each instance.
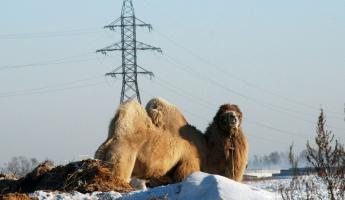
(129, 46)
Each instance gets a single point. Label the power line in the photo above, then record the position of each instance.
(49, 34)
(52, 90)
(204, 60)
(65, 60)
(198, 57)
(60, 61)
(24, 91)
(270, 106)
(221, 86)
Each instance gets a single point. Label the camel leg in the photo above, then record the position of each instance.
(186, 168)
(122, 159)
(163, 180)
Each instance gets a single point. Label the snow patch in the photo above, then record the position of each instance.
(198, 186)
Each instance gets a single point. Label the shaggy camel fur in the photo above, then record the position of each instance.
(159, 143)
(165, 115)
(136, 147)
(226, 144)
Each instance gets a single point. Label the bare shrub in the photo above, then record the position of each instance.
(326, 160)
(327, 157)
(301, 187)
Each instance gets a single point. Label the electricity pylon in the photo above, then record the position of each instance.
(129, 45)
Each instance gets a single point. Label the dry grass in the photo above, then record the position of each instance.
(17, 196)
(84, 176)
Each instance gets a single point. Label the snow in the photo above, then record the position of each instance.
(198, 186)
(42, 195)
(273, 185)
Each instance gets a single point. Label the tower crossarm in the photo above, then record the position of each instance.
(143, 24)
(115, 72)
(118, 47)
(141, 70)
(144, 71)
(114, 47)
(143, 46)
(117, 24)
(114, 24)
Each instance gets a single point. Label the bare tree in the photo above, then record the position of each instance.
(327, 157)
(274, 158)
(20, 166)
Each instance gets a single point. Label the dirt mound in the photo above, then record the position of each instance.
(83, 176)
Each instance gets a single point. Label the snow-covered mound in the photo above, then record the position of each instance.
(199, 186)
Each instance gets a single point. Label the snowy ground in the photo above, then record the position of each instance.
(319, 189)
(199, 186)
(270, 185)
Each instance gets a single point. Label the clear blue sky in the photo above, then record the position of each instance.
(278, 60)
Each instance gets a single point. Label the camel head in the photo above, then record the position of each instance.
(228, 118)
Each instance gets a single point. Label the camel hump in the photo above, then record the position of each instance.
(156, 108)
(165, 115)
(129, 116)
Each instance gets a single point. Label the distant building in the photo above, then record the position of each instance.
(260, 173)
(285, 173)
(254, 174)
